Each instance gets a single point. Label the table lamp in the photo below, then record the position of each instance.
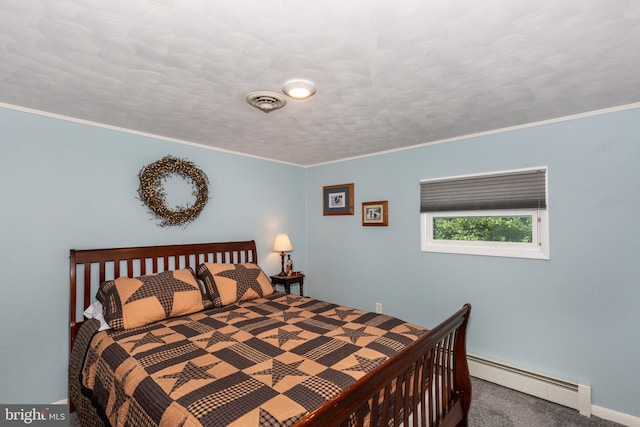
(282, 245)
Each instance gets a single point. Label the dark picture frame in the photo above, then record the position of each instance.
(337, 199)
(375, 213)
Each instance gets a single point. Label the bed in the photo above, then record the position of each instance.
(246, 354)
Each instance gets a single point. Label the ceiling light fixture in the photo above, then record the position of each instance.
(299, 88)
(266, 101)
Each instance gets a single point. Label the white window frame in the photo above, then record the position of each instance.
(537, 249)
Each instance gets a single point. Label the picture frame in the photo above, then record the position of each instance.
(375, 213)
(337, 199)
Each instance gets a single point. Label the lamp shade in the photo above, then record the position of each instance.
(282, 243)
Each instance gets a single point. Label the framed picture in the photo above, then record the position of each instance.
(375, 213)
(337, 199)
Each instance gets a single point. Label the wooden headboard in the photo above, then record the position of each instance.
(90, 267)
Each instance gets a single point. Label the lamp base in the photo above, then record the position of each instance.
(282, 273)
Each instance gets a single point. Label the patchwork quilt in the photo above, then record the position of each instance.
(263, 362)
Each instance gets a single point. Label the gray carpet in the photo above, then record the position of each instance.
(496, 406)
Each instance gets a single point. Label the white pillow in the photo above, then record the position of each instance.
(94, 311)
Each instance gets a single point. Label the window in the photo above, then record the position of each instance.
(497, 214)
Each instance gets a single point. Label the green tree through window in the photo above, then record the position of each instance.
(484, 228)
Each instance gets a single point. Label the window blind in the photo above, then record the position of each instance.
(510, 190)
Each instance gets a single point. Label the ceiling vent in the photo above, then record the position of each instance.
(266, 101)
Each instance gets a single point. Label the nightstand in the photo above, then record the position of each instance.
(287, 281)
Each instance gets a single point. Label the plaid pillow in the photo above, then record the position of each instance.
(229, 283)
(131, 302)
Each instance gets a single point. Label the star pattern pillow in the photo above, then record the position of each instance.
(131, 302)
(229, 283)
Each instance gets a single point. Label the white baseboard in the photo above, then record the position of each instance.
(564, 392)
(617, 417)
(557, 390)
(61, 402)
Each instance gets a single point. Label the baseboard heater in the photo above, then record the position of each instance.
(567, 393)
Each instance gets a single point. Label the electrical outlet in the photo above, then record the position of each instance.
(378, 307)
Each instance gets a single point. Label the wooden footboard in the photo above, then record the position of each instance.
(427, 384)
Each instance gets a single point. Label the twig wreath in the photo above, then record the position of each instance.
(153, 194)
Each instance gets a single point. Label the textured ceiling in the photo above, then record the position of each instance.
(389, 74)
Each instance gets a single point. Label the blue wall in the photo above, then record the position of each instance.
(573, 316)
(66, 185)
